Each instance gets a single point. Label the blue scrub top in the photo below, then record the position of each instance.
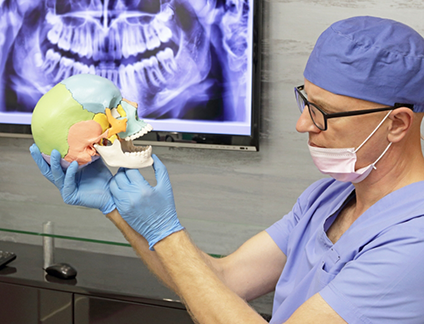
(373, 274)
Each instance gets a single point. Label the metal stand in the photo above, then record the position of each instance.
(48, 244)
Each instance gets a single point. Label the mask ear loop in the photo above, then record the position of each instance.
(373, 165)
(373, 132)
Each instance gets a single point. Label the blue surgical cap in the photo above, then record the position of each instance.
(370, 58)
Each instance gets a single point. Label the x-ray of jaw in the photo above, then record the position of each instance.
(184, 59)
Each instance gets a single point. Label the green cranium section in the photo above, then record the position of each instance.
(52, 118)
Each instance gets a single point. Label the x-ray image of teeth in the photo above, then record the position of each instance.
(185, 59)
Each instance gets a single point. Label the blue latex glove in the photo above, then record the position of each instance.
(88, 187)
(148, 210)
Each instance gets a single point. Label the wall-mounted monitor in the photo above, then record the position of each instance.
(193, 66)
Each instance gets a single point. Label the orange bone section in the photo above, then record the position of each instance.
(117, 126)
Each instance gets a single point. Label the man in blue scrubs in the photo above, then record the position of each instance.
(352, 248)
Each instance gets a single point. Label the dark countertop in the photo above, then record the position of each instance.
(102, 275)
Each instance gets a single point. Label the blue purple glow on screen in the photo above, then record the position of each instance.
(187, 63)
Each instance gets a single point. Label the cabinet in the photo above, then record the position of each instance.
(21, 305)
(107, 290)
(95, 310)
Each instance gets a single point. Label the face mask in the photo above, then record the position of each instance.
(339, 163)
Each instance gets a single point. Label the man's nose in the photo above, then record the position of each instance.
(305, 124)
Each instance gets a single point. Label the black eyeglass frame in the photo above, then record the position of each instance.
(297, 91)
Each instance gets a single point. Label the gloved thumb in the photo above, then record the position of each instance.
(114, 188)
(69, 184)
(161, 173)
(41, 163)
(56, 168)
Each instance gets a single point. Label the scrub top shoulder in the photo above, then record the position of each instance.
(372, 274)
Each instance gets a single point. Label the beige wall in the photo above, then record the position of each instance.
(222, 197)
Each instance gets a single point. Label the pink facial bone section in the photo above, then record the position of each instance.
(81, 139)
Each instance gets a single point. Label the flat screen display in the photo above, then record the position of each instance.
(189, 64)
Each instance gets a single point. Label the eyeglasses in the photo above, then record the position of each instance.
(319, 117)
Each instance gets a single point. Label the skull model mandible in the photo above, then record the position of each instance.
(84, 116)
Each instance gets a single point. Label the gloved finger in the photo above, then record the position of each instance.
(100, 169)
(121, 179)
(57, 172)
(156, 160)
(69, 184)
(161, 172)
(135, 177)
(114, 188)
(41, 163)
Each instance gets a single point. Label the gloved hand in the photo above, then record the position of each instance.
(88, 187)
(148, 210)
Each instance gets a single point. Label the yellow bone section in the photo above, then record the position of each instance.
(117, 126)
(121, 111)
(102, 120)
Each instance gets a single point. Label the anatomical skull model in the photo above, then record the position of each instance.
(84, 116)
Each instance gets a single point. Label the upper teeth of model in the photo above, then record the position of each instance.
(144, 131)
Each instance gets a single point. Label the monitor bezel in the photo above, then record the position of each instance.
(249, 143)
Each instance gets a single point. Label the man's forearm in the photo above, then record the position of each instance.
(141, 247)
(207, 298)
(150, 258)
(192, 274)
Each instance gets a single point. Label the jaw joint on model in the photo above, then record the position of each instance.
(116, 144)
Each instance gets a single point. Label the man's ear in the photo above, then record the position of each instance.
(402, 120)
